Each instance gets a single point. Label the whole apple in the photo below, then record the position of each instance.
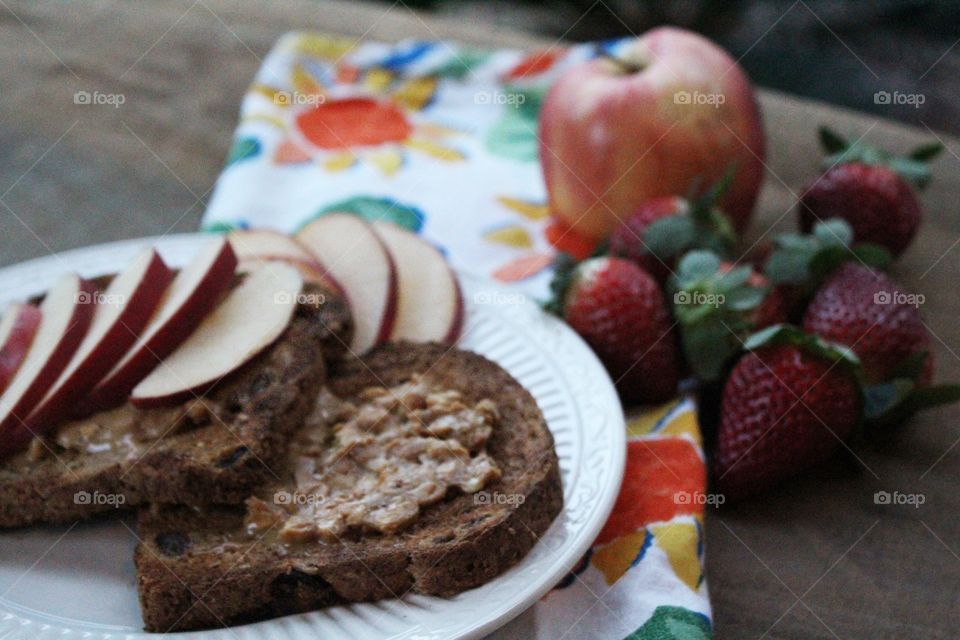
(670, 109)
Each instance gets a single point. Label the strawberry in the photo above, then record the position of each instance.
(873, 315)
(627, 240)
(799, 262)
(775, 306)
(787, 405)
(870, 189)
(717, 304)
(662, 229)
(618, 309)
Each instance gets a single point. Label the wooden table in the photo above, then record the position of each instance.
(816, 559)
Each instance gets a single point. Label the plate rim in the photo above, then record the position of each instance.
(585, 535)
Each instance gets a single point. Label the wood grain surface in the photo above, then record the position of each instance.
(815, 559)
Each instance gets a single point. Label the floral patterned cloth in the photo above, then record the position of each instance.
(442, 139)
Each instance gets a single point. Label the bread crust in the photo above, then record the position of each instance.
(220, 462)
(195, 571)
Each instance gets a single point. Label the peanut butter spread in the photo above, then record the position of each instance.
(373, 464)
(120, 433)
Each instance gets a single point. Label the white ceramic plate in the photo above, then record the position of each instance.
(78, 581)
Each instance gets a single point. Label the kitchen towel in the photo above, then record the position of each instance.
(442, 139)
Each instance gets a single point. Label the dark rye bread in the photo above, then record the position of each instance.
(206, 458)
(197, 569)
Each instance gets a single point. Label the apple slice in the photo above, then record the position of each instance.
(248, 320)
(121, 313)
(65, 317)
(353, 253)
(254, 246)
(189, 299)
(17, 330)
(429, 302)
(259, 243)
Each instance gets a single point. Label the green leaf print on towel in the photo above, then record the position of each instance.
(674, 623)
(515, 135)
(371, 208)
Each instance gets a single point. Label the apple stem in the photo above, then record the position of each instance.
(624, 65)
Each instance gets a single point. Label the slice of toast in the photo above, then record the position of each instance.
(202, 568)
(213, 449)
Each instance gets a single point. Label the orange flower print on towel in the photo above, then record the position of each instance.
(522, 268)
(340, 134)
(353, 122)
(657, 470)
(535, 64)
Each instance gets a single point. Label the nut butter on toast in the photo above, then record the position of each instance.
(214, 449)
(436, 491)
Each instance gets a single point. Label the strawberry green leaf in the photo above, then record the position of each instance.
(797, 242)
(564, 266)
(911, 367)
(911, 167)
(698, 265)
(834, 232)
(889, 405)
(831, 141)
(913, 171)
(873, 255)
(734, 278)
(788, 334)
(709, 347)
(669, 236)
(712, 305)
(935, 396)
(880, 399)
(788, 266)
(722, 234)
(927, 151)
(713, 226)
(745, 298)
(716, 190)
(826, 260)
(806, 260)
(602, 249)
(766, 336)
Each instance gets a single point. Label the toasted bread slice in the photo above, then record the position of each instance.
(214, 449)
(201, 568)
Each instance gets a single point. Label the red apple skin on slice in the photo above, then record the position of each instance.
(354, 254)
(250, 318)
(66, 315)
(429, 300)
(255, 246)
(122, 312)
(17, 330)
(192, 295)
